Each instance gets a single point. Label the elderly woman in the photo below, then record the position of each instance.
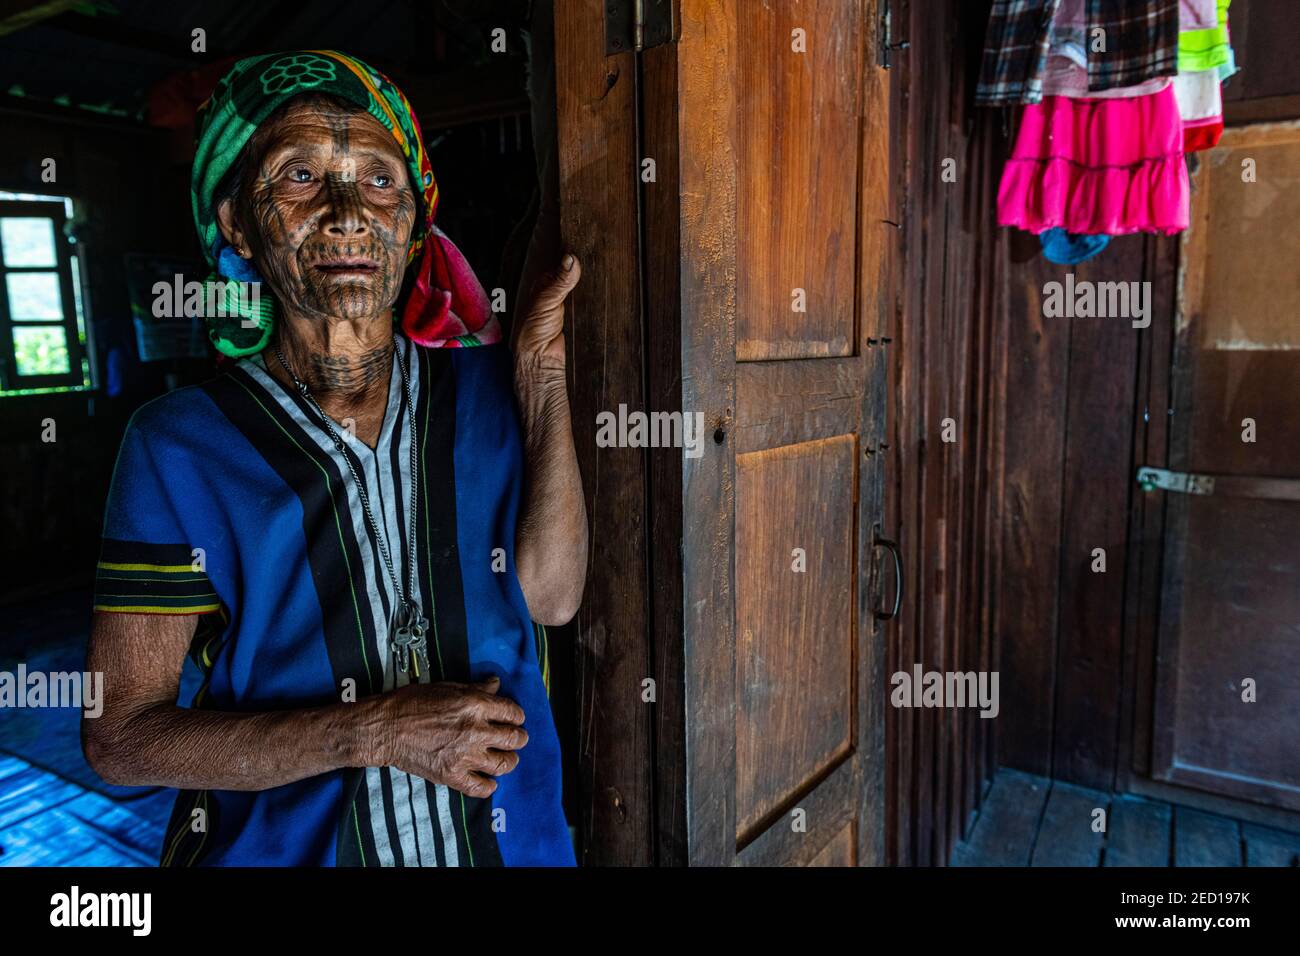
(359, 530)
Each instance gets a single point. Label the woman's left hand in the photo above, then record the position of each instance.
(539, 339)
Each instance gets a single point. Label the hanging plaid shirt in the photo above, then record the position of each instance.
(1141, 42)
(1015, 51)
(1138, 41)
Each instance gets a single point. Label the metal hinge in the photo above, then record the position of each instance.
(887, 46)
(1181, 481)
(637, 24)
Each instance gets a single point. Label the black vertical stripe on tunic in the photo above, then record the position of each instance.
(439, 555)
(431, 801)
(354, 844)
(182, 844)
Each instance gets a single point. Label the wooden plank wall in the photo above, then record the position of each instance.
(1086, 405)
(1053, 415)
(998, 528)
(943, 498)
(596, 102)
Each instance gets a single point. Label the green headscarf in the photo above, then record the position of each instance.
(445, 306)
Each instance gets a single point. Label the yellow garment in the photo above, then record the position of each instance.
(1205, 49)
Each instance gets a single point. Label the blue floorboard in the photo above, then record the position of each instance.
(48, 821)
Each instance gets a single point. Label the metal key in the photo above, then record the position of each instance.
(403, 638)
(409, 641)
(419, 645)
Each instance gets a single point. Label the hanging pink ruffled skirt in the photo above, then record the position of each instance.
(1098, 166)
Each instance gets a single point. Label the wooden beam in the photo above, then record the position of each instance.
(16, 15)
(1262, 110)
(662, 287)
(596, 104)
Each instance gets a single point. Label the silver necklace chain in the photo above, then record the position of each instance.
(406, 597)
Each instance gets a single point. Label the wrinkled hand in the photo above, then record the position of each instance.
(459, 735)
(539, 342)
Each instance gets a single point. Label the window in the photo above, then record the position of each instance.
(42, 329)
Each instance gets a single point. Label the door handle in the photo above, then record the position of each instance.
(890, 546)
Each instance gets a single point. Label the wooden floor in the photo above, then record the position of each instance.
(1031, 821)
(46, 820)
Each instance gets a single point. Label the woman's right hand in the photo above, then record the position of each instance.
(459, 735)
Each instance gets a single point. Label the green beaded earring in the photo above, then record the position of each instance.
(242, 322)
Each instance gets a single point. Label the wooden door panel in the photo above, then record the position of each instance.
(1248, 229)
(778, 403)
(780, 192)
(841, 851)
(1230, 595)
(1240, 590)
(1235, 384)
(835, 803)
(795, 629)
(796, 209)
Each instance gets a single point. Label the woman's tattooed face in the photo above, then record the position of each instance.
(330, 213)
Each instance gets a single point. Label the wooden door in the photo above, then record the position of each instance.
(726, 192)
(782, 126)
(1227, 706)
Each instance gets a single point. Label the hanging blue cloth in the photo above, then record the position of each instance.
(1070, 248)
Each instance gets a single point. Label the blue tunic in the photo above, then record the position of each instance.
(229, 500)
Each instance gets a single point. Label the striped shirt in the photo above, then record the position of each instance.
(231, 501)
